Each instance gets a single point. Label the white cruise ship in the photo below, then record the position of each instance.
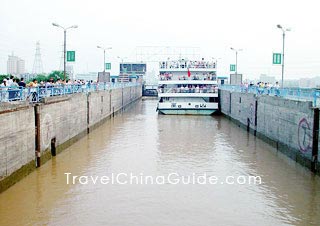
(188, 87)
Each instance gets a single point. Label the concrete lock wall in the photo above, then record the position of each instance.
(17, 136)
(60, 120)
(244, 108)
(104, 103)
(65, 118)
(239, 106)
(100, 106)
(225, 102)
(117, 99)
(285, 124)
(288, 122)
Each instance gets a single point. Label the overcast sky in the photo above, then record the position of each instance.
(214, 26)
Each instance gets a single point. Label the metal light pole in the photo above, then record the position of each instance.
(236, 50)
(64, 45)
(104, 58)
(121, 58)
(283, 38)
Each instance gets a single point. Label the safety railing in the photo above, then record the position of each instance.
(187, 64)
(35, 94)
(188, 90)
(309, 94)
(182, 78)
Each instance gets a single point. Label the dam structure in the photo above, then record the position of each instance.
(34, 132)
(289, 123)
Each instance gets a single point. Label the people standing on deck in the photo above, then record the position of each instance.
(276, 87)
(14, 83)
(22, 84)
(34, 83)
(3, 87)
(33, 91)
(260, 87)
(10, 81)
(267, 88)
(246, 87)
(4, 83)
(49, 84)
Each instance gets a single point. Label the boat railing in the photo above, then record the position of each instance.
(188, 90)
(187, 64)
(186, 78)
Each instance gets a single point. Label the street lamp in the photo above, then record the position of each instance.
(236, 50)
(121, 58)
(283, 37)
(64, 45)
(104, 58)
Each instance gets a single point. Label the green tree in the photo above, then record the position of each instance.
(39, 78)
(55, 75)
(3, 77)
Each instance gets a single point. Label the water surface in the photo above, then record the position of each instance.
(140, 141)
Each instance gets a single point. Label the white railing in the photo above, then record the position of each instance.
(188, 90)
(187, 64)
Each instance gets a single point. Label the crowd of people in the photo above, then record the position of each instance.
(13, 83)
(189, 89)
(187, 64)
(16, 89)
(261, 87)
(166, 76)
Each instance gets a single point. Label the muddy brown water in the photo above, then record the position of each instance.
(142, 143)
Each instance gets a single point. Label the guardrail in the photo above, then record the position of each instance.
(188, 90)
(310, 94)
(187, 64)
(35, 94)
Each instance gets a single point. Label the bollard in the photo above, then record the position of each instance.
(315, 140)
(230, 99)
(88, 113)
(122, 98)
(110, 102)
(37, 138)
(53, 147)
(255, 118)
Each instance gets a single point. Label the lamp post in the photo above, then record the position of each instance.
(283, 38)
(236, 50)
(104, 58)
(121, 58)
(64, 45)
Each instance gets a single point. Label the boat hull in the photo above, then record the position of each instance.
(187, 111)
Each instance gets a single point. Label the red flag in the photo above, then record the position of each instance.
(189, 73)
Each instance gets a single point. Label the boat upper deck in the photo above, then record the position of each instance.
(184, 65)
(188, 82)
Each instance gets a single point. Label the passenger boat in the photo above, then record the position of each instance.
(188, 87)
